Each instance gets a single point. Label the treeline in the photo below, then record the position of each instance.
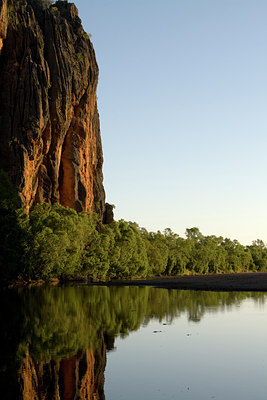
(54, 241)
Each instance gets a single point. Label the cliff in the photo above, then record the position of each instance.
(49, 123)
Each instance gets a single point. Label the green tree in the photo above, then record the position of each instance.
(157, 251)
(13, 231)
(258, 251)
(130, 252)
(57, 240)
(179, 250)
(9, 198)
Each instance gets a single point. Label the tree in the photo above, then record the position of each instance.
(9, 198)
(157, 252)
(13, 231)
(130, 251)
(194, 234)
(57, 240)
(258, 251)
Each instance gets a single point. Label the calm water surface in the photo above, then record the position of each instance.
(133, 343)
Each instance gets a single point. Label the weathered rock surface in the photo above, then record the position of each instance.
(3, 21)
(49, 122)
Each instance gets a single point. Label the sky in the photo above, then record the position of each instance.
(182, 98)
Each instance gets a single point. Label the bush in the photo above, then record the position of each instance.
(57, 239)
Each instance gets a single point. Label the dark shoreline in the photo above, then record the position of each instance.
(256, 281)
(235, 282)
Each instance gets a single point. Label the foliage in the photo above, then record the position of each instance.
(87, 36)
(79, 57)
(46, 3)
(12, 224)
(130, 258)
(57, 242)
(258, 252)
(157, 251)
(97, 254)
(12, 250)
(11, 12)
(9, 199)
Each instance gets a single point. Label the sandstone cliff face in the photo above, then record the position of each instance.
(3, 21)
(49, 122)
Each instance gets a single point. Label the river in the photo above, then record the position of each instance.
(132, 343)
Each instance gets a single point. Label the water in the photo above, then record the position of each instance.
(132, 343)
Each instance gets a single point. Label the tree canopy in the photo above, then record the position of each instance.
(53, 241)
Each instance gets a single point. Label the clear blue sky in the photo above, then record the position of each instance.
(182, 99)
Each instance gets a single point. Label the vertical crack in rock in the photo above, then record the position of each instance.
(67, 174)
(49, 123)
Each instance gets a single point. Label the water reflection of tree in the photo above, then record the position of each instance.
(60, 332)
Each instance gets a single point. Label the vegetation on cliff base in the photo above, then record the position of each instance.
(57, 242)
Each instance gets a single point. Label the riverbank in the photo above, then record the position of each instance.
(246, 281)
(225, 282)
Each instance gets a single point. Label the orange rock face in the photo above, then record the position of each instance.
(3, 21)
(49, 122)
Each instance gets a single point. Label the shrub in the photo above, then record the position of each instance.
(79, 57)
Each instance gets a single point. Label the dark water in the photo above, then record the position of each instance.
(132, 343)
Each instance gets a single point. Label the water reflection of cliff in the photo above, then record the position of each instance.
(54, 340)
(78, 377)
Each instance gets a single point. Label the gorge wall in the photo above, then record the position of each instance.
(49, 123)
